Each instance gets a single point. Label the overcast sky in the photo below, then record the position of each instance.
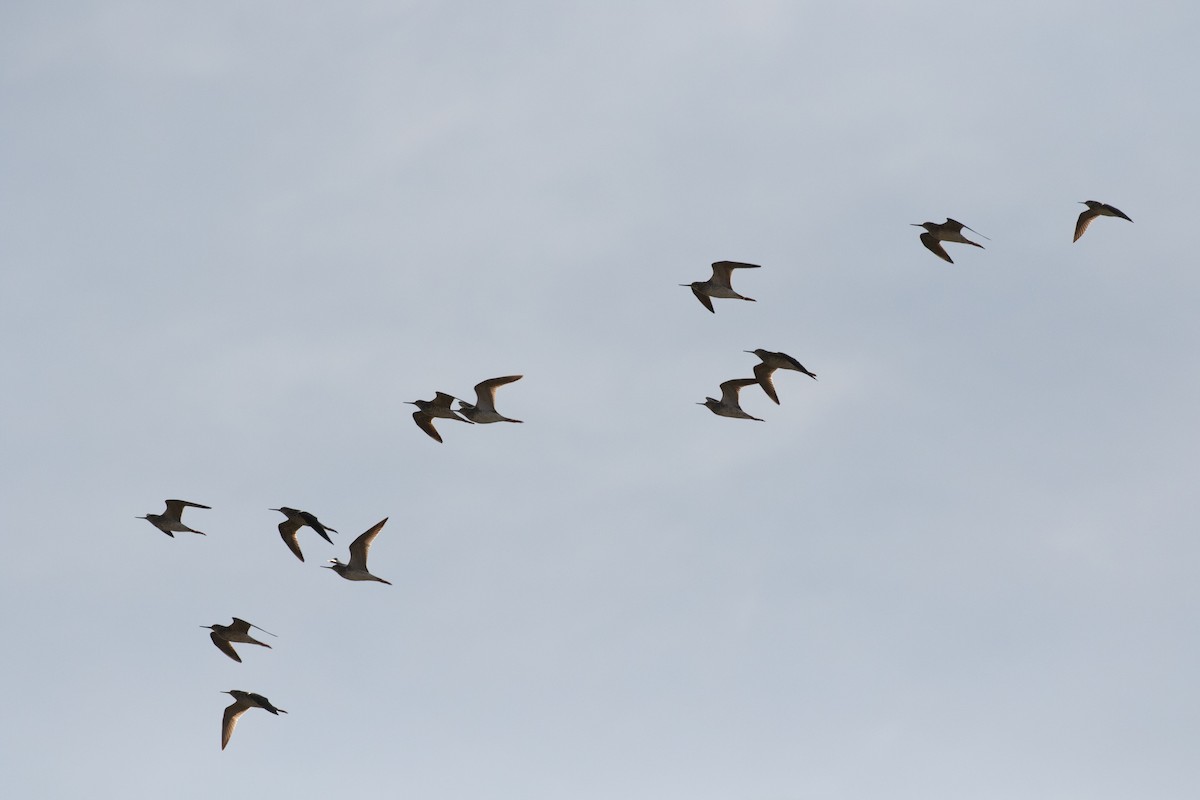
(237, 236)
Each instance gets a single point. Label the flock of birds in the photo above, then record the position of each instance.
(483, 411)
(171, 522)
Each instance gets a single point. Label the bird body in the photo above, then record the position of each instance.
(484, 410)
(437, 408)
(242, 702)
(771, 362)
(297, 519)
(728, 405)
(948, 231)
(356, 570)
(720, 284)
(1095, 209)
(169, 521)
(239, 631)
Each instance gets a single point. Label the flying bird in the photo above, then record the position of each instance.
(484, 409)
(239, 631)
(356, 570)
(948, 231)
(1095, 209)
(719, 284)
(296, 520)
(770, 363)
(169, 521)
(728, 406)
(242, 702)
(429, 410)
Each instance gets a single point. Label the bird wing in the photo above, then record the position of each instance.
(703, 298)
(240, 626)
(362, 545)
(311, 521)
(723, 271)
(264, 703)
(224, 646)
(230, 719)
(175, 508)
(762, 373)
(1116, 212)
(287, 530)
(1085, 219)
(425, 423)
(796, 365)
(730, 389)
(485, 391)
(934, 246)
(443, 400)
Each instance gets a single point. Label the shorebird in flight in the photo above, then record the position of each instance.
(437, 408)
(948, 231)
(1095, 209)
(239, 631)
(484, 409)
(356, 570)
(719, 284)
(770, 363)
(169, 523)
(728, 406)
(296, 520)
(242, 702)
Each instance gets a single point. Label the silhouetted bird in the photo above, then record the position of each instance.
(296, 520)
(770, 363)
(484, 409)
(948, 231)
(719, 284)
(169, 521)
(242, 702)
(728, 406)
(239, 631)
(1095, 209)
(437, 408)
(356, 570)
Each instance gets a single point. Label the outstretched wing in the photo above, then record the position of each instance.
(230, 719)
(311, 521)
(225, 647)
(934, 246)
(730, 389)
(762, 373)
(175, 508)
(485, 391)
(425, 423)
(362, 545)
(287, 531)
(1081, 224)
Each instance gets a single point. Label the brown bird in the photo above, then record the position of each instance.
(356, 570)
(242, 702)
(437, 408)
(728, 405)
(948, 231)
(719, 285)
(1095, 209)
(484, 410)
(239, 631)
(296, 520)
(770, 363)
(169, 521)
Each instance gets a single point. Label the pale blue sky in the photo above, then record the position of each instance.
(962, 564)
